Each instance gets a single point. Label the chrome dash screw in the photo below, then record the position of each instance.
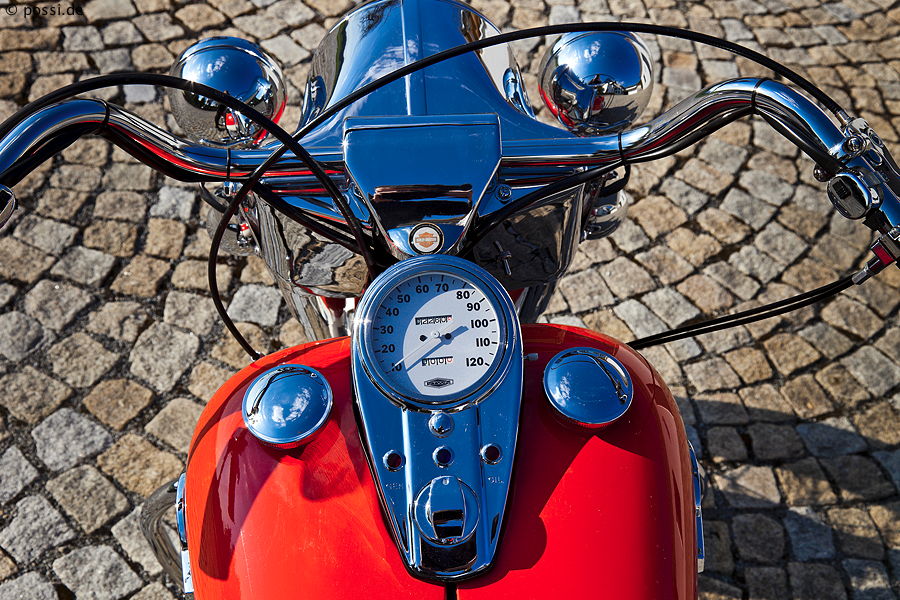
(393, 460)
(443, 457)
(504, 193)
(491, 454)
(876, 139)
(853, 144)
(440, 424)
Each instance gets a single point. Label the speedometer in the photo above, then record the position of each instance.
(435, 330)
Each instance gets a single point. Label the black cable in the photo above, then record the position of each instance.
(760, 313)
(296, 214)
(512, 36)
(747, 316)
(278, 132)
(492, 220)
(506, 38)
(542, 31)
(209, 198)
(292, 142)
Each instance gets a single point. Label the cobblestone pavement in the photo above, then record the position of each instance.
(109, 344)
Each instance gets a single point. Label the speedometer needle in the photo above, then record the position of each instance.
(434, 335)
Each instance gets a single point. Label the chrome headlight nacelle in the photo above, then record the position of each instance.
(242, 70)
(597, 82)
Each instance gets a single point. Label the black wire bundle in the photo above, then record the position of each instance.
(283, 136)
(292, 143)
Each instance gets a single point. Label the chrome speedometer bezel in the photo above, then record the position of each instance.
(388, 281)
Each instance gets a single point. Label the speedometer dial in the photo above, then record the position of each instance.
(435, 334)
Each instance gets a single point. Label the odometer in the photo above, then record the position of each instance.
(434, 334)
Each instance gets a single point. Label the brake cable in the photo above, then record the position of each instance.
(746, 317)
(169, 81)
(292, 142)
(512, 36)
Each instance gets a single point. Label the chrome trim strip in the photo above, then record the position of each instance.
(699, 490)
(174, 561)
(8, 205)
(153, 528)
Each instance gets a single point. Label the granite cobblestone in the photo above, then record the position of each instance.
(109, 345)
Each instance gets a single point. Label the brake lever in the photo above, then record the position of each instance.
(886, 250)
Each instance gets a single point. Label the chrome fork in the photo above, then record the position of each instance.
(174, 561)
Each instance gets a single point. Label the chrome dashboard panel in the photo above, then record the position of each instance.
(416, 169)
(442, 463)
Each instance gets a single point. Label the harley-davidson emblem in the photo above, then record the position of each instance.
(426, 239)
(438, 382)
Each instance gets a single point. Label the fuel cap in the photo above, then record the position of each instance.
(588, 386)
(287, 406)
(446, 511)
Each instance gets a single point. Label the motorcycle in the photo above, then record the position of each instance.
(435, 441)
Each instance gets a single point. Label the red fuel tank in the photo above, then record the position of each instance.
(593, 514)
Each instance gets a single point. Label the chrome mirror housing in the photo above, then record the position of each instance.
(238, 68)
(597, 82)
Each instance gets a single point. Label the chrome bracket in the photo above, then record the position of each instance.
(868, 179)
(238, 239)
(699, 491)
(174, 561)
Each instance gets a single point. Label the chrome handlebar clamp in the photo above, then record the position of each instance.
(869, 178)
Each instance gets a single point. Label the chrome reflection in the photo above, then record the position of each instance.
(379, 37)
(534, 247)
(605, 214)
(286, 406)
(597, 82)
(300, 258)
(588, 387)
(242, 70)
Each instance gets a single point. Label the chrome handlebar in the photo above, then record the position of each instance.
(855, 149)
